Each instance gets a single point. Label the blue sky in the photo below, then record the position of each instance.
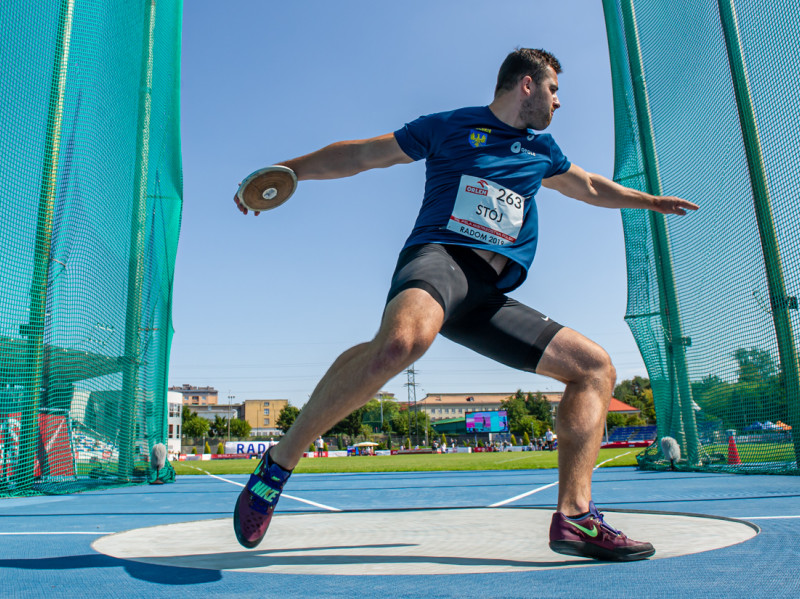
(263, 305)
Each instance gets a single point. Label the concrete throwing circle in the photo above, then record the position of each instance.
(436, 541)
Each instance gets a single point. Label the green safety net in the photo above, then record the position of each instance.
(90, 208)
(707, 107)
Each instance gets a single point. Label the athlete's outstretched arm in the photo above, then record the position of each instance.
(343, 159)
(599, 191)
(346, 158)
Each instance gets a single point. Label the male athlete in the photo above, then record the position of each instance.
(473, 242)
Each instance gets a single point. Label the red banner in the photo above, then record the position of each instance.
(54, 447)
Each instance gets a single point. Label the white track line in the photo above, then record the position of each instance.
(611, 459)
(300, 499)
(500, 503)
(524, 457)
(233, 482)
(314, 503)
(94, 532)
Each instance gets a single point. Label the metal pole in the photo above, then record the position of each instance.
(684, 427)
(779, 302)
(230, 397)
(34, 330)
(412, 389)
(130, 373)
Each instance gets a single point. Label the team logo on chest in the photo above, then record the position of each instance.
(477, 137)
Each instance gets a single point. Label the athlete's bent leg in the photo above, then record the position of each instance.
(578, 527)
(589, 375)
(410, 323)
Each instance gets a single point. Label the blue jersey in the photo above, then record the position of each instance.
(482, 177)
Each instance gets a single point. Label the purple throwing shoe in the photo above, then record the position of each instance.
(257, 501)
(590, 536)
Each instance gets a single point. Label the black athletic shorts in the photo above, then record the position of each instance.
(476, 314)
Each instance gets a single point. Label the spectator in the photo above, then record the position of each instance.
(319, 444)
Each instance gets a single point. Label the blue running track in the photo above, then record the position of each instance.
(45, 542)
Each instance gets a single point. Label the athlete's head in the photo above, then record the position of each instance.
(535, 73)
(525, 61)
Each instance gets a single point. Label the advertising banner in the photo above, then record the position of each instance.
(249, 447)
(54, 445)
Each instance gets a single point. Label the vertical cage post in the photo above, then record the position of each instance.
(130, 373)
(685, 426)
(34, 331)
(779, 302)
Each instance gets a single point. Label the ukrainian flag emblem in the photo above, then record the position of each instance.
(476, 138)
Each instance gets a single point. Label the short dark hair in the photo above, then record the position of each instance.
(522, 62)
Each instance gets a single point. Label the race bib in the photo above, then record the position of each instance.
(487, 212)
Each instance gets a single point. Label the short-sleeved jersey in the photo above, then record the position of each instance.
(469, 151)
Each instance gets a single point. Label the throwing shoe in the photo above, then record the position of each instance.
(257, 501)
(591, 536)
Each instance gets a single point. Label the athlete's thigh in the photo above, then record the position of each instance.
(413, 316)
(505, 330)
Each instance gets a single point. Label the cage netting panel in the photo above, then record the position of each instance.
(90, 208)
(707, 107)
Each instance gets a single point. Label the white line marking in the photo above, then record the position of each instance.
(524, 495)
(314, 503)
(611, 460)
(300, 499)
(512, 459)
(233, 482)
(499, 503)
(96, 532)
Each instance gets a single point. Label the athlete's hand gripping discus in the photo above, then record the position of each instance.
(267, 188)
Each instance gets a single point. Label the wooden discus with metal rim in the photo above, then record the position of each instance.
(267, 188)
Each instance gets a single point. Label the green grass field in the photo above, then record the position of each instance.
(413, 463)
(756, 452)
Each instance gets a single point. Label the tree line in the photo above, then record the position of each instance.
(196, 427)
(528, 413)
(386, 416)
(757, 395)
(638, 393)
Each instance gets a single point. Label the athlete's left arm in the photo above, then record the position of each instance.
(599, 191)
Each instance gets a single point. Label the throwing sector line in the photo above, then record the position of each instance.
(300, 499)
(553, 484)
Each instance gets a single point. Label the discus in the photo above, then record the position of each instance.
(267, 188)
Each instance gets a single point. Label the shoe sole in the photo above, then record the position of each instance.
(237, 529)
(581, 549)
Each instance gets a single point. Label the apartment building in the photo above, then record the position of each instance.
(441, 406)
(174, 403)
(197, 396)
(262, 414)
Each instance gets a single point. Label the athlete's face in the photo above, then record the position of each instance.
(537, 109)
